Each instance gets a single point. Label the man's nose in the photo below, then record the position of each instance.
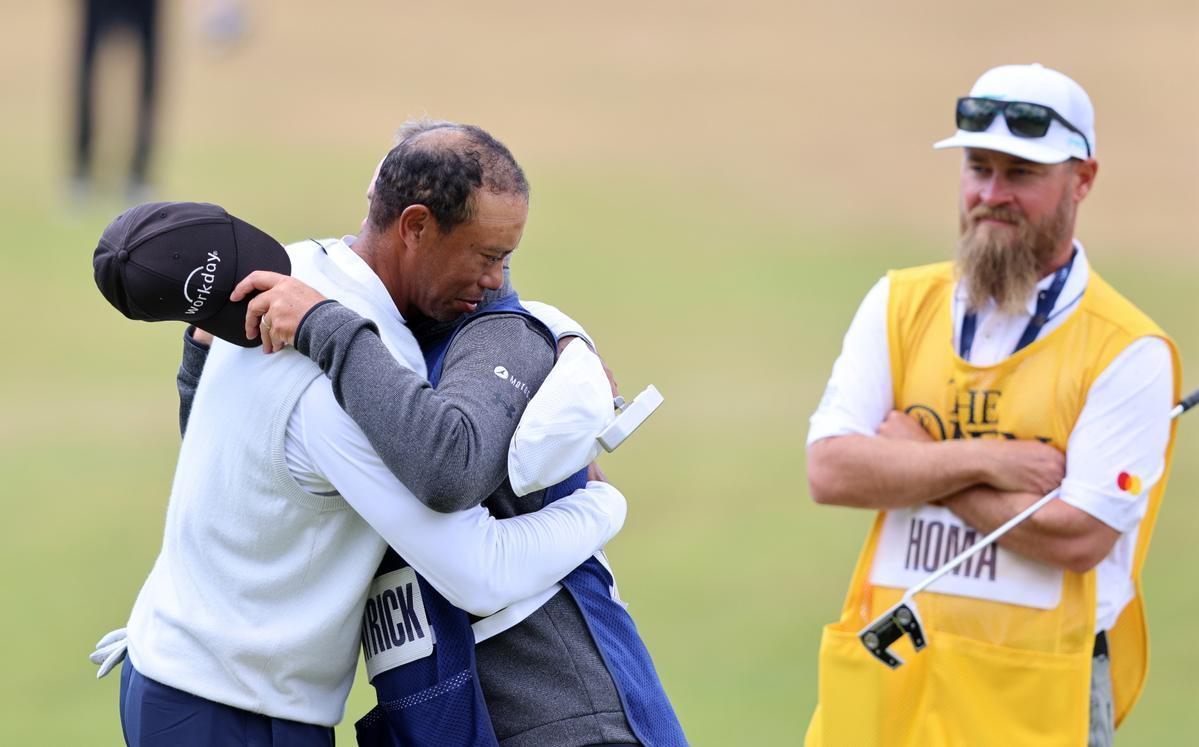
(493, 279)
(995, 191)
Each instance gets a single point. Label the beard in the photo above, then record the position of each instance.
(1004, 265)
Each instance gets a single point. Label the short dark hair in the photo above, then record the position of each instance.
(440, 165)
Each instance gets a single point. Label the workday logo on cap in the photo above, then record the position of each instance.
(181, 261)
(204, 283)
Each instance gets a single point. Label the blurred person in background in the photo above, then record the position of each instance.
(101, 20)
(222, 23)
(964, 392)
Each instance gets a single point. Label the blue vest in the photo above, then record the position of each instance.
(436, 700)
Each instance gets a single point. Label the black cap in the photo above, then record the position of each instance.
(180, 261)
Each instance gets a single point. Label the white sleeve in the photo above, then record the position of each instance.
(858, 396)
(1124, 426)
(477, 562)
(560, 324)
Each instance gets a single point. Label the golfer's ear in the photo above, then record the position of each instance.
(1084, 175)
(414, 224)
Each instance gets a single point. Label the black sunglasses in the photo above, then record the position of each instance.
(1023, 119)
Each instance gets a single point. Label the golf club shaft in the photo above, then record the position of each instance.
(978, 547)
(1187, 403)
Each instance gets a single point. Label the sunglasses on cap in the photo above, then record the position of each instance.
(1024, 119)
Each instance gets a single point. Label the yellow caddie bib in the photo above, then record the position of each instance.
(1009, 639)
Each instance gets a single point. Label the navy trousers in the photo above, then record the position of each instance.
(154, 715)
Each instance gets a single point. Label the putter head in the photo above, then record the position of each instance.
(890, 626)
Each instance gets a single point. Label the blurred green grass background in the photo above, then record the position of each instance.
(715, 188)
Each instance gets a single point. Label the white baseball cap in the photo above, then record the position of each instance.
(1034, 84)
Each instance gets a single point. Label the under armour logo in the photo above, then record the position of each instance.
(509, 410)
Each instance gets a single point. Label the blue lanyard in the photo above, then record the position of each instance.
(1045, 302)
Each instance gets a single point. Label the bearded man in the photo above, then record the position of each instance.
(965, 391)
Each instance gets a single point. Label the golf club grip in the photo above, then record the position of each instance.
(1189, 401)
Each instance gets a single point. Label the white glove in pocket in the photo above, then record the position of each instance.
(110, 651)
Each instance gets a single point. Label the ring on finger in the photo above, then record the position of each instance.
(265, 323)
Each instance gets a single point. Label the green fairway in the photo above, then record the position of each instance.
(703, 259)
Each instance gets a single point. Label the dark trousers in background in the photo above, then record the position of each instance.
(101, 17)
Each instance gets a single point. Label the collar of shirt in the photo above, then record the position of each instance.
(997, 334)
(348, 261)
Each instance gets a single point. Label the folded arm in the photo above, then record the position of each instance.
(870, 472)
(1058, 534)
(901, 471)
(903, 466)
(1124, 427)
(864, 454)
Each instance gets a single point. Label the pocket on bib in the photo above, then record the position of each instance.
(956, 691)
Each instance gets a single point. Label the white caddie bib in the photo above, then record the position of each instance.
(915, 542)
(395, 628)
